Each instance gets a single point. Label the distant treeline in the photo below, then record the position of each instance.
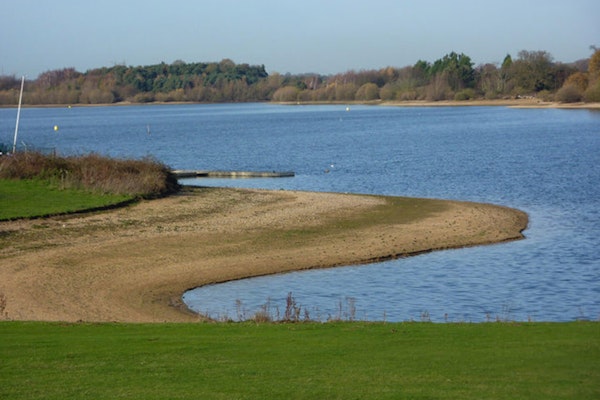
(452, 77)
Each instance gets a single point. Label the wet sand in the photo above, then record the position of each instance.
(133, 264)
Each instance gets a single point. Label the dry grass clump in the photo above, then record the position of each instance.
(144, 178)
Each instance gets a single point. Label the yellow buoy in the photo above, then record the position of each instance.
(55, 127)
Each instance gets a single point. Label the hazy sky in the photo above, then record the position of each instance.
(324, 36)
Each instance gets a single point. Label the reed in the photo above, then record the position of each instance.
(3, 313)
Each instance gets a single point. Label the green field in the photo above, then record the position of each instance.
(300, 361)
(337, 360)
(37, 198)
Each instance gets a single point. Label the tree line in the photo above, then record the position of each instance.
(451, 77)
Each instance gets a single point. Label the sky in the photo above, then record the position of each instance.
(300, 36)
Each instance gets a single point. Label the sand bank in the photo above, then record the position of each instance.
(133, 264)
(512, 103)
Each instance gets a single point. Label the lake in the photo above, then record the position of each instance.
(545, 162)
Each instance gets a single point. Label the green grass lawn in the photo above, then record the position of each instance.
(300, 361)
(36, 198)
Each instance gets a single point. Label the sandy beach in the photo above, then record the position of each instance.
(133, 264)
(530, 102)
(526, 102)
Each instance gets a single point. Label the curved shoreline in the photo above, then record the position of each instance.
(133, 264)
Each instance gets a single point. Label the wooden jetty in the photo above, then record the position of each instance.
(231, 174)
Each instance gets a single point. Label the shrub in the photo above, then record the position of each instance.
(144, 178)
(579, 79)
(438, 89)
(345, 91)
(465, 94)
(592, 94)
(29, 165)
(286, 93)
(407, 95)
(545, 95)
(367, 92)
(569, 93)
(387, 92)
(143, 98)
(3, 314)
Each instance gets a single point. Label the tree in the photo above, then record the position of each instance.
(9, 82)
(507, 62)
(438, 89)
(592, 93)
(594, 65)
(490, 81)
(387, 92)
(451, 76)
(533, 71)
(458, 69)
(226, 65)
(53, 78)
(579, 79)
(345, 91)
(421, 72)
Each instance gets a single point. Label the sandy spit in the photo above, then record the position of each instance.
(133, 264)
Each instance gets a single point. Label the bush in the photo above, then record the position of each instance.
(144, 178)
(367, 92)
(579, 79)
(492, 95)
(30, 165)
(286, 93)
(569, 93)
(408, 95)
(143, 98)
(545, 95)
(438, 89)
(345, 92)
(592, 94)
(387, 92)
(465, 94)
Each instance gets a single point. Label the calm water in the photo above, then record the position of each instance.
(545, 162)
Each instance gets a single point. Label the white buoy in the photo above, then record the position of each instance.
(55, 127)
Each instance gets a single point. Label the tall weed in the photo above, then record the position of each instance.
(145, 178)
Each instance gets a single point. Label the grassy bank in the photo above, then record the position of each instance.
(300, 361)
(33, 184)
(37, 198)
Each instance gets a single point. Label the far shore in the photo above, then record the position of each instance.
(133, 264)
(526, 102)
(513, 103)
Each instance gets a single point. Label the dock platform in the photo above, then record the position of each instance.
(231, 174)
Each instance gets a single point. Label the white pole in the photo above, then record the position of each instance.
(18, 115)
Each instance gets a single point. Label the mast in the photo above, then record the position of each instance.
(18, 115)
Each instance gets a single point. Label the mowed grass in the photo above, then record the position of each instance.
(300, 361)
(36, 198)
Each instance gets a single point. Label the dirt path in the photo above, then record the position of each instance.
(133, 264)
